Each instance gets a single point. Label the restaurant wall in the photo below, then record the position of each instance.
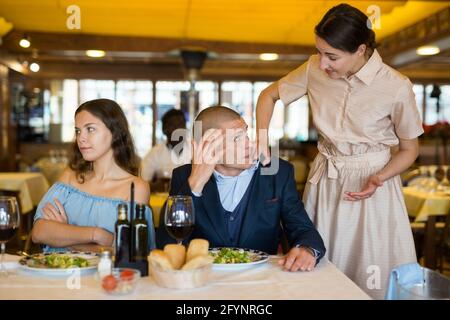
(7, 129)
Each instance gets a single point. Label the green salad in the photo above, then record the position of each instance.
(227, 255)
(60, 261)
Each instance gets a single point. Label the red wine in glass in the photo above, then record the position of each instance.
(179, 231)
(9, 223)
(7, 233)
(179, 217)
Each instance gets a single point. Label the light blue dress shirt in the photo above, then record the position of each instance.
(87, 210)
(232, 189)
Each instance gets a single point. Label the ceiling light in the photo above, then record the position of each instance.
(268, 56)
(95, 53)
(34, 67)
(25, 42)
(427, 50)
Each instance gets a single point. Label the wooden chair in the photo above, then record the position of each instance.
(434, 233)
(160, 185)
(443, 247)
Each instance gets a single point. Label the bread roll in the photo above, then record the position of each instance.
(159, 259)
(197, 247)
(176, 254)
(198, 262)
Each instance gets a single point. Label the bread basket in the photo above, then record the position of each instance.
(180, 279)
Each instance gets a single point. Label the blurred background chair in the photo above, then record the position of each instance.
(301, 171)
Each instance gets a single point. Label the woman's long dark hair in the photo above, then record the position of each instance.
(110, 113)
(345, 28)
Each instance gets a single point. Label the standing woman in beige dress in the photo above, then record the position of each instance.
(361, 108)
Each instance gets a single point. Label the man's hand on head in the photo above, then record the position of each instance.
(206, 154)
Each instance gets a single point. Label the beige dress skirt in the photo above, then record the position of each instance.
(365, 239)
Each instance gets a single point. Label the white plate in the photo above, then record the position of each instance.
(257, 257)
(27, 264)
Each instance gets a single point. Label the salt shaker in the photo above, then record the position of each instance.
(104, 267)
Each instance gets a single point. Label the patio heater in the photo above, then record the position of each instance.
(193, 60)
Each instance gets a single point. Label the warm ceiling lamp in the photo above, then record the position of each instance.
(268, 56)
(25, 42)
(34, 67)
(95, 53)
(427, 50)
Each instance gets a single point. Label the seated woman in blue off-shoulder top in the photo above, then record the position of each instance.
(80, 210)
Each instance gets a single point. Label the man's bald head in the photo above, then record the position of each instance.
(214, 118)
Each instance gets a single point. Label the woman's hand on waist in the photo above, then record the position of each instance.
(368, 190)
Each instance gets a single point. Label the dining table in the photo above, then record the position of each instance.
(265, 281)
(421, 204)
(31, 186)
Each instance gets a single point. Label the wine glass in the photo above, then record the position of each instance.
(9, 224)
(432, 182)
(179, 217)
(444, 185)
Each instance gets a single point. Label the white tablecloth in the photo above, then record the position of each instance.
(32, 186)
(264, 282)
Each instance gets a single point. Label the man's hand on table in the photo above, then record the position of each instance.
(298, 259)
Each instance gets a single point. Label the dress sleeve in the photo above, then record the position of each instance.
(294, 85)
(405, 114)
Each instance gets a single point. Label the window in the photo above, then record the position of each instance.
(276, 127)
(208, 94)
(96, 89)
(297, 121)
(418, 92)
(445, 103)
(69, 105)
(170, 94)
(239, 97)
(135, 98)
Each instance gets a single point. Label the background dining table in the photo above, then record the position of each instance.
(31, 186)
(262, 282)
(421, 204)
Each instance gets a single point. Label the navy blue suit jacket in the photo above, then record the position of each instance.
(273, 199)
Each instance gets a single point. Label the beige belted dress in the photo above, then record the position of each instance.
(358, 120)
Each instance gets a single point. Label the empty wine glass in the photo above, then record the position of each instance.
(179, 217)
(432, 182)
(9, 224)
(444, 185)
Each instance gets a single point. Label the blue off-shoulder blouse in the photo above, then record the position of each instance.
(87, 210)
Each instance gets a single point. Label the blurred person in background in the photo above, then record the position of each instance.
(159, 162)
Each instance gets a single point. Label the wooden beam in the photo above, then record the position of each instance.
(72, 70)
(426, 31)
(11, 62)
(44, 41)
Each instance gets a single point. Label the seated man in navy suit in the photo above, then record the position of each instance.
(236, 205)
